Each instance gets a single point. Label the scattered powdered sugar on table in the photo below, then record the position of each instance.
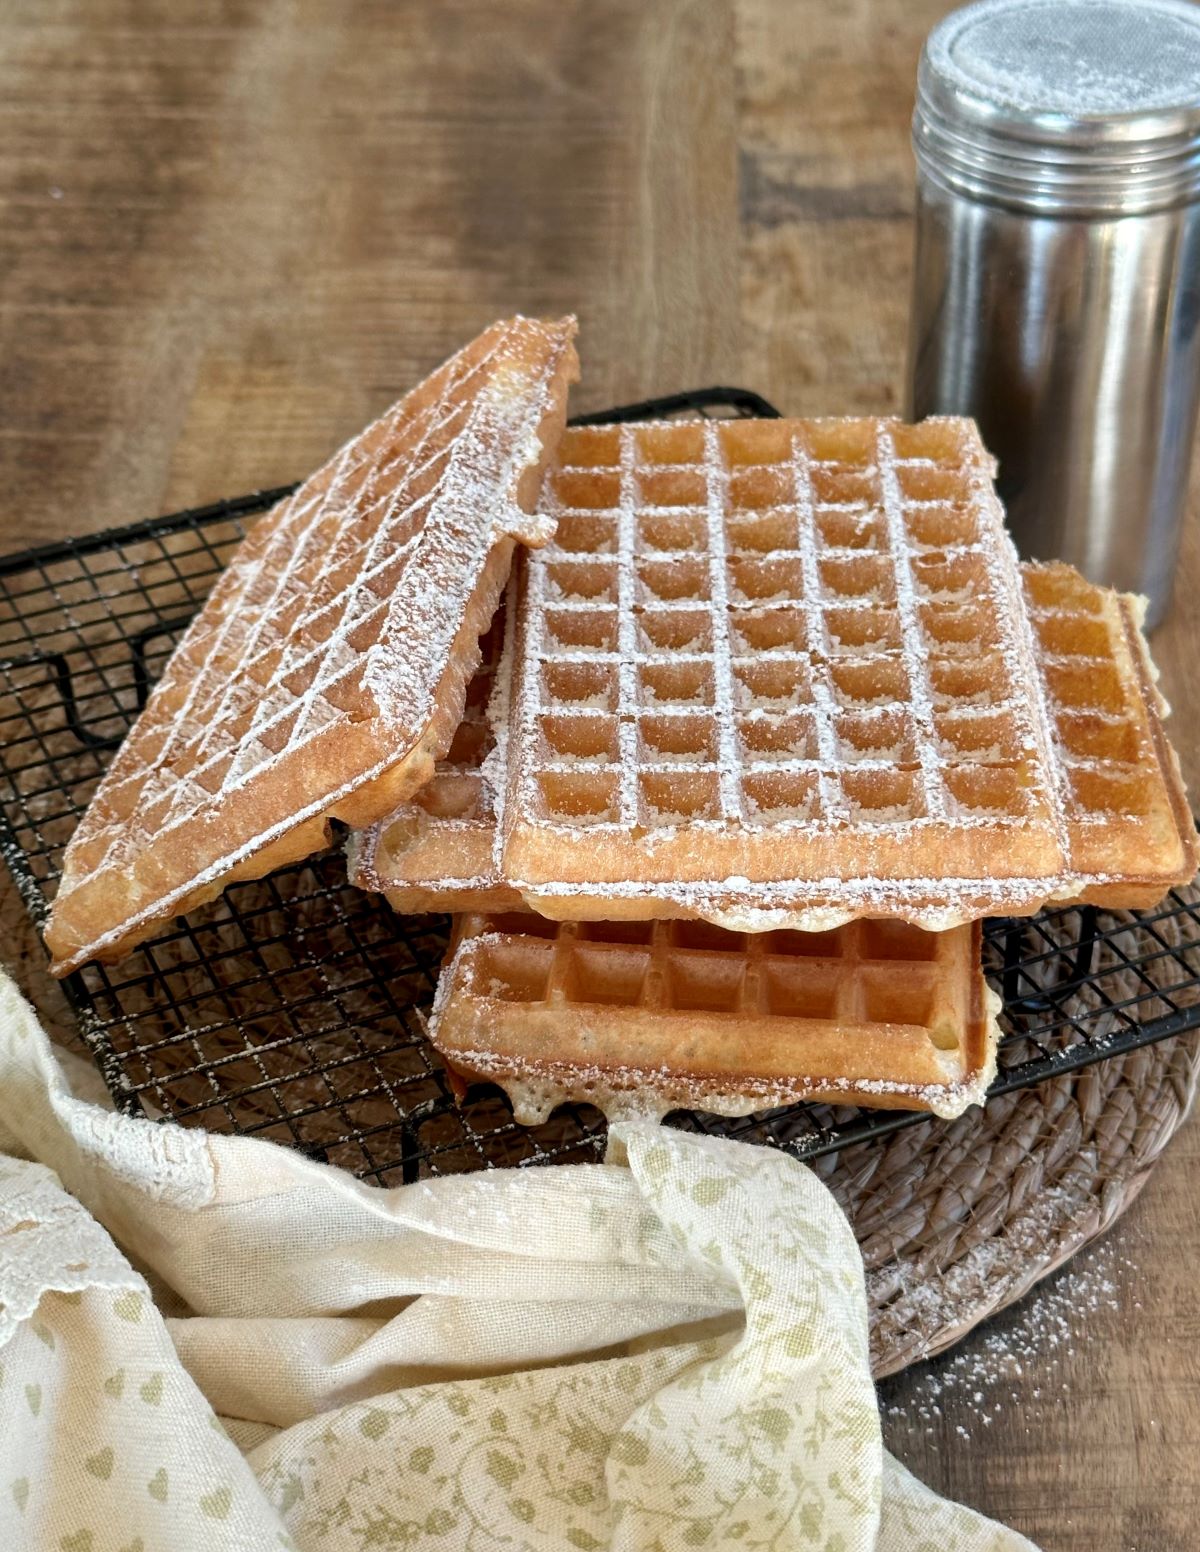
(1040, 1338)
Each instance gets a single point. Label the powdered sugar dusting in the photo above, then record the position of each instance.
(728, 752)
(822, 689)
(937, 804)
(435, 852)
(1060, 688)
(1043, 1338)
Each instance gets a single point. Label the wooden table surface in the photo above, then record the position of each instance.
(236, 230)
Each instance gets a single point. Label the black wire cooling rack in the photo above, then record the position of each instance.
(291, 1007)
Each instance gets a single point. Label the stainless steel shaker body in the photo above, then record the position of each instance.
(1076, 346)
(1056, 292)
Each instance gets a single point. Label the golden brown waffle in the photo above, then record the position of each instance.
(647, 1017)
(775, 673)
(327, 670)
(1130, 833)
(436, 851)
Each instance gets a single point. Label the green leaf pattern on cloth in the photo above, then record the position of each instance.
(665, 1351)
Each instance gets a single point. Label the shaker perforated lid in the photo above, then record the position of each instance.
(1064, 106)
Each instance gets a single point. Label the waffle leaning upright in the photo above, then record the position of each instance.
(328, 669)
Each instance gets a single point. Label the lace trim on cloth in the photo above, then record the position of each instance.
(49, 1244)
(168, 1163)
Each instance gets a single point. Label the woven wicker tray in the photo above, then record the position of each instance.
(973, 1218)
(957, 1222)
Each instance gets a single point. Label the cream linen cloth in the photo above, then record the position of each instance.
(667, 1350)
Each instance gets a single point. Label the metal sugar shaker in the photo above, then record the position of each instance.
(1057, 278)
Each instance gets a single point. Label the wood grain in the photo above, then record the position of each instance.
(237, 228)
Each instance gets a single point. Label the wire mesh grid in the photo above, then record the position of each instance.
(291, 1008)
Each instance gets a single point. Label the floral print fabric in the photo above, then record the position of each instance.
(668, 1350)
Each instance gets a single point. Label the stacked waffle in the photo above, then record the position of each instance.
(753, 745)
(770, 725)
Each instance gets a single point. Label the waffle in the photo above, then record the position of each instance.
(780, 674)
(436, 851)
(647, 1017)
(1130, 833)
(761, 663)
(328, 668)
